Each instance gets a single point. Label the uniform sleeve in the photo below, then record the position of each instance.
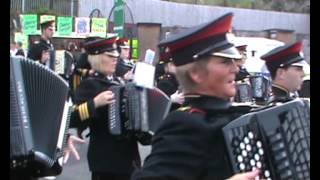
(84, 105)
(179, 149)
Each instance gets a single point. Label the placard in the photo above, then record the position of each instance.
(82, 25)
(65, 25)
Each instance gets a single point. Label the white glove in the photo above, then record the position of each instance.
(177, 97)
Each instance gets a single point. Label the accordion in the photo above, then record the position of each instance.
(256, 89)
(63, 62)
(39, 118)
(137, 109)
(275, 140)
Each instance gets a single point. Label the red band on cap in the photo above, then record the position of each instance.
(104, 42)
(220, 26)
(295, 49)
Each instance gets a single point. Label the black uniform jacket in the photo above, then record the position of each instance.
(35, 51)
(169, 85)
(123, 67)
(107, 153)
(280, 94)
(189, 144)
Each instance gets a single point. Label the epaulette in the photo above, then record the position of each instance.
(190, 109)
(184, 108)
(161, 77)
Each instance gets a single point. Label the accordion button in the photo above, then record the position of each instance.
(256, 157)
(259, 144)
(259, 164)
(260, 151)
(242, 166)
(252, 162)
(242, 145)
(266, 173)
(235, 142)
(240, 158)
(244, 153)
(250, 135)
(237, 150)
(248, 147)
(246, 140)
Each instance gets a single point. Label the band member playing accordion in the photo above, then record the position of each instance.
(189, 144)
(285, 64)
(109, 156)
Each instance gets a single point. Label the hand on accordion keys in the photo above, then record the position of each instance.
(71, 148)
(245, 176)
(103, 98)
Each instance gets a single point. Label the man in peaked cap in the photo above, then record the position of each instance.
(166, 79)
(124, 65)
(285, 64)
(189, 144)
(47, 31)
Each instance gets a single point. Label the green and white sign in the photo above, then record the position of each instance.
(29, 23)
(23, 38)
(44, 18)
(119, 17)
(99, 26)
(65, 25)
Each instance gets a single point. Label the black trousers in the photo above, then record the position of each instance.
(109, 176)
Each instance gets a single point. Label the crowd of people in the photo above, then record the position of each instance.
(199, 70)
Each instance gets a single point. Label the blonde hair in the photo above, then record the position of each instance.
(183, 74)
(95, 62)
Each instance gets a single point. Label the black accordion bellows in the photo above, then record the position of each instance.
(275, 140)
(39, 117)
(136, 109)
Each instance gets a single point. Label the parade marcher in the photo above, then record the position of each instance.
(285, 64)
(304, 92)
(167, 82)
(189, 144)
(20, 51)
(47, 31)
(242, 78)
(109, 156)
(13, 48)
(125, 65)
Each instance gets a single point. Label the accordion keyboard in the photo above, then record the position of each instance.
(248, 151)
(291, 143)
(114, 121)
(275, 140)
